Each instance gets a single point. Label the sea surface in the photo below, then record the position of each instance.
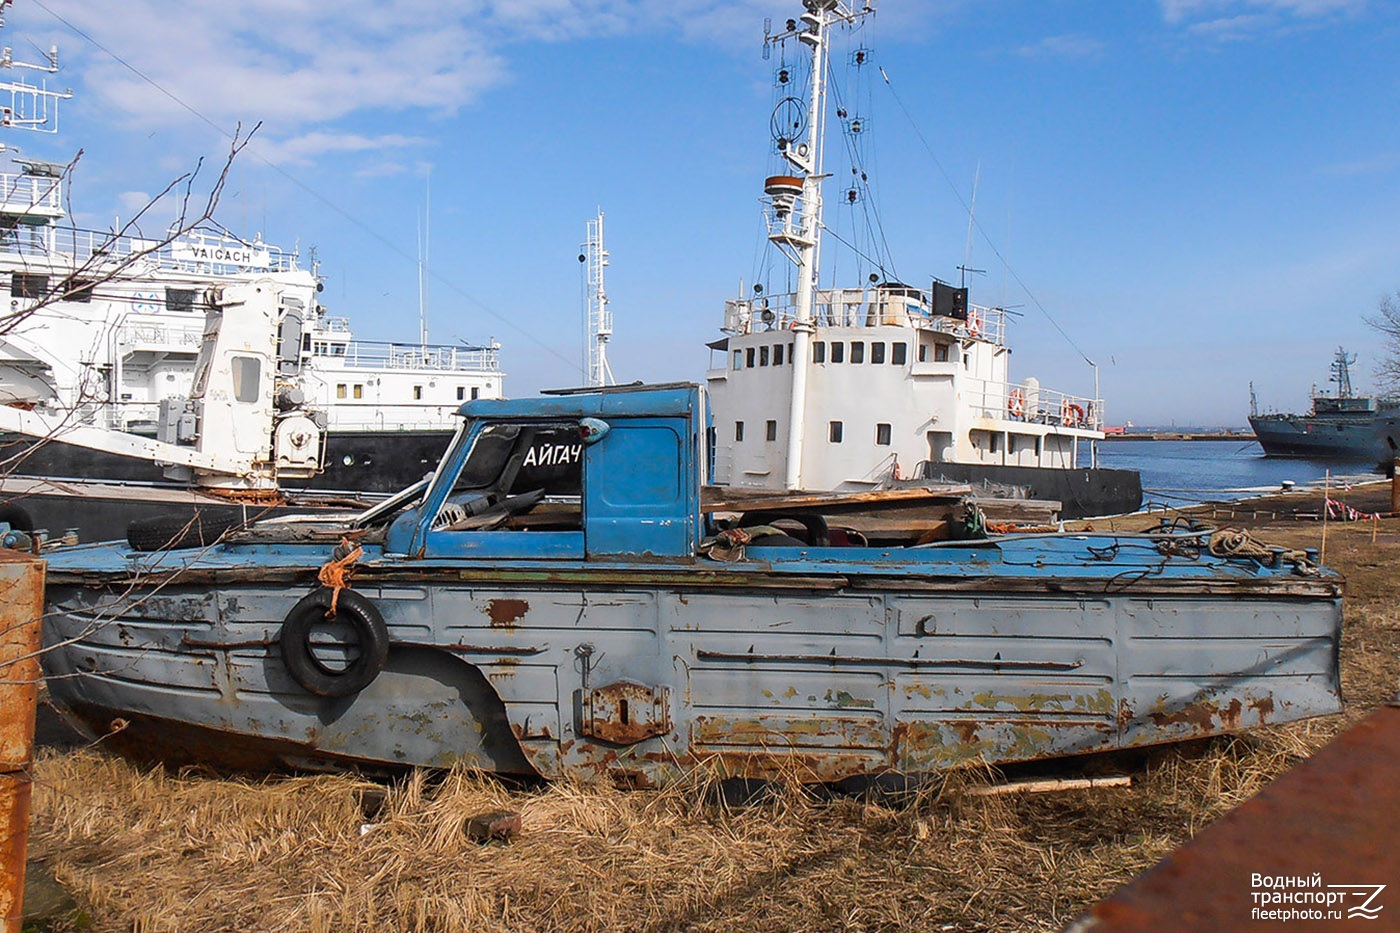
(1186, 472)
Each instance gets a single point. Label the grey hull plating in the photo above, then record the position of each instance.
(615, 650)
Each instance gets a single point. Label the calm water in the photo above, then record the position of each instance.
(1180, 472)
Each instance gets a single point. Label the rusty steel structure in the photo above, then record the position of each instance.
(1319, 842)
(612, 644)
(21, 608)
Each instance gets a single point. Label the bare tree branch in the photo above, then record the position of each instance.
(1386, 322)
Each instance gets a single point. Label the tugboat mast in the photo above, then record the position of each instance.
(803, 233)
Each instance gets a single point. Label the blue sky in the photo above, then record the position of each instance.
(1198, 192)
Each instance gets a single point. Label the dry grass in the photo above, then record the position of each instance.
(149, 851)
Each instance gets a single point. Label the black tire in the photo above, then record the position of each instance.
(176, 532)
(17, 517)
(307, 669)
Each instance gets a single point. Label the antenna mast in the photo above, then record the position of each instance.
(23, 105)
(801, 234)
(597, 318)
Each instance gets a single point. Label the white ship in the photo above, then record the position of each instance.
(848, 388)
(101, 328)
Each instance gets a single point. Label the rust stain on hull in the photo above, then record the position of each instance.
(504, 613)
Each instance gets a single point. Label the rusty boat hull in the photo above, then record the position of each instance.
(579, 671)
(612, 644)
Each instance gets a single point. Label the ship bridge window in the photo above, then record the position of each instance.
(461, 393)
(778, 355)
(359, 390)
(899, 353)
(838, 351)
(771, 432)
(819, 352)
(857, 351)
(762, 356)
(738, 359)
(940, 352)
(179, 299)
(418, 393)
(246, 371)
(882, 435)
(877, 352)
(27, 285)
(476, 392)
(748, 357)
(834, 432)
(341, 390)
(79, 290)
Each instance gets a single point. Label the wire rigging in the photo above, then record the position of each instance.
(978, 224)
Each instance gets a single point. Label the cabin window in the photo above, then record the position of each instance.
(359, 391)
(940, 353)
(25, 285)
(418, 393)
(748, 357)
(762, 356)
(1011, 443)
(877, 352)
(819, 352)
(738, 430)
(738, 359)
(882, 435)
(993, 442)
(771, 431)
(838, 352)
(899, 353)
(341, 390)
(834, 432)
(778, 355)
(306, 343)
(967, 361)
(461, 392)
(79, 290)
(246, 371)
(476, 392)
(180, 299)
(857, 351)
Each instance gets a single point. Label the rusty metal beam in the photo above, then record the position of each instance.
(21, 607)
(1323, 832)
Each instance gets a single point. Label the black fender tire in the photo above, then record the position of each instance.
(17, 517)
(302, 663)
(175, 532)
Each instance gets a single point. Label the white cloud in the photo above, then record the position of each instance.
(1067, 46)
(1178, 11)
(306, 69)
(304, 149)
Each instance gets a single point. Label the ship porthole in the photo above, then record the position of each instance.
(334, 655)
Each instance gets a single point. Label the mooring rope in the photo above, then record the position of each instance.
(334, 573)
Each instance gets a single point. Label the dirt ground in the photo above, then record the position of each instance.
(148, 850)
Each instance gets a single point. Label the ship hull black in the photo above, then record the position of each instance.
(60, 487)
(1083, 492)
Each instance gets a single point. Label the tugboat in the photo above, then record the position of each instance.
(878, 382)
(1341, 425)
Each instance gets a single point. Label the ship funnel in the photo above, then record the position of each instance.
(784, 190)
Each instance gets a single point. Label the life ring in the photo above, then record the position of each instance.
(974, 323)
(895, 472)
(1070, 413)
(309, 670)
(1017, 404)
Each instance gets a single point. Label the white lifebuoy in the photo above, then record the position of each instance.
(974, 323)
(1017, 404)
(1070, 413)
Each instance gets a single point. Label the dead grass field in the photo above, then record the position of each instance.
(149, 851)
